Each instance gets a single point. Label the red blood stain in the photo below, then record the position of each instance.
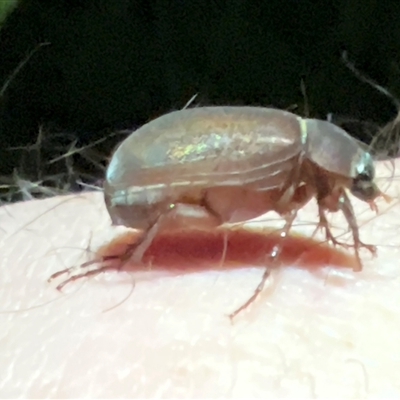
(198, 250)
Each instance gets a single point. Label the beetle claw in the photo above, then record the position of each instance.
(85, 265)
(86, 274)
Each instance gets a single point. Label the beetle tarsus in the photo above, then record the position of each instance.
(254, 296)
(274, 256)
(86, 274)
(85, 265)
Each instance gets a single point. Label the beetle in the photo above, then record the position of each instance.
(200, 168)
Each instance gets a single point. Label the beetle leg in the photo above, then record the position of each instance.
(274, 257)
(73, 278)
(324, 225)
(87, 264)
(177, 216)
(348, 212)
(292, 199)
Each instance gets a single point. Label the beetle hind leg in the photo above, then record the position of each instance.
(85, 270)
(76, 277)
(174, 218)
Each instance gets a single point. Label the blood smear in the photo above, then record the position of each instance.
(204, 250)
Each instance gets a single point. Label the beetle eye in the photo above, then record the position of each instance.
(364, 177)
(364, 188)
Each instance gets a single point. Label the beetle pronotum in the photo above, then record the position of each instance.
(200, 168)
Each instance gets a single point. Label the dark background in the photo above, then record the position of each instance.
(116, 64)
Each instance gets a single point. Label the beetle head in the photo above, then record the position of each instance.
(363, 186)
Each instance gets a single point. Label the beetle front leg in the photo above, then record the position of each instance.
(333, 203)
(347, 209)
(324, 225)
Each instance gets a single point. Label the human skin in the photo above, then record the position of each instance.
(325, 332)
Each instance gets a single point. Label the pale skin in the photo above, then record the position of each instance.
(322, 333)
